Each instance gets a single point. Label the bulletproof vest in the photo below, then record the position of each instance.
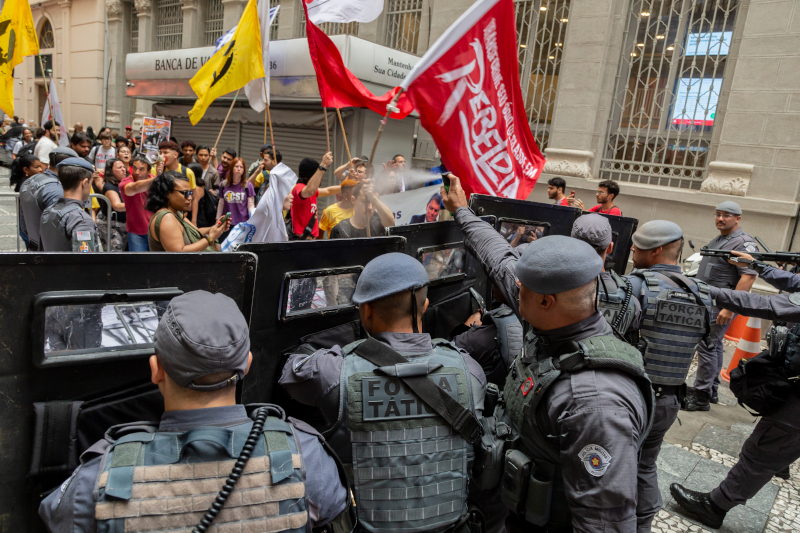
(30, 201)
(528, 382)
(509, 332)
(615, 300)
(410, 468)
(673, 323)
(53, 229)
(166, 481)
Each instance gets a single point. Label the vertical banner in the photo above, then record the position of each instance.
(154, 132)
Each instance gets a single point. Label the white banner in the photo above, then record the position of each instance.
(414, 204)
(55, 115)
(343, 11)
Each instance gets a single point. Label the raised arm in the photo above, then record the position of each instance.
(313, 184)
(132, 189)
(339, 172)
(385, 214)
(774, 307)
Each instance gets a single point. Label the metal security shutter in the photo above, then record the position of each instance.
(205, 132)
(293, 143)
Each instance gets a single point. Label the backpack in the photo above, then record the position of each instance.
(207, 209)
(27, 149)
(762, 384)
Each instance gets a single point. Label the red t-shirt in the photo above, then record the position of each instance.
(563, 201)
(302, 209)
(613, 211)
(137, 218)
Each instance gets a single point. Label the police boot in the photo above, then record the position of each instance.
(697, 400)
(714, 397)
(699, 505)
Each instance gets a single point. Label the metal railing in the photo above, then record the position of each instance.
(112, 214)
(14, 195)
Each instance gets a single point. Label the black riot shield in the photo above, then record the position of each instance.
(520, 221)
(622, 229)
(303, 295)
(75, 337)
(454, 273)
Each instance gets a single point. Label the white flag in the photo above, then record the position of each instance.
(55, 115)
(345, 11)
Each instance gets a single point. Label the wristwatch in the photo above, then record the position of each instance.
(323, 168)
(209, 239)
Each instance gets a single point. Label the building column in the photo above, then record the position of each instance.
(288, 18)
(146, 44)
(66, 70)
(192, 22)
(116, 76)
(232, 12)
(592, 52)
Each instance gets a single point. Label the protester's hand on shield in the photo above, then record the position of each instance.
(327, 159)
(456, 197)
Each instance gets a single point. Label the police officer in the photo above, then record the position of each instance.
(616, 300)
(166, 477)
(774, 443)
(40, 192)
(409, 444)
(717, 272)
(65, 226)
(677, 314)
(600, 411)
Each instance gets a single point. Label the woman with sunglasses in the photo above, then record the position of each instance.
(170, 229)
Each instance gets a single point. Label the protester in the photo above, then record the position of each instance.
(48, 142)
(397, 165)
(260, 163)
(555, 190)
(115, 172)
(91, 134)
(223, 166)
(335, 213)
(210, 175)
(305, 223)
(102, 152)
(23, 168)
(169, 152)
(366, 206)
(170, 198)
(81, 143)
(134, 191)
(268, 216)
(260, 170)
(187, 153)
(124, 155)
(119, 142)
(236, 195)
(25, 139)
(431, 210)
(607, 192)
(355, 169)
(77, 128)
(204, 204)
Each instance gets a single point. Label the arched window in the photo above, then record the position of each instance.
(46, 37)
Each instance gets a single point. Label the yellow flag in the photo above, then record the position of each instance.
(17, 40)
(232, 67)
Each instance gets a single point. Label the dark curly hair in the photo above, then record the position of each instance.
(17, 174)
(108, 174)
(161, 188)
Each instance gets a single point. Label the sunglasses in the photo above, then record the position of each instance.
(186, 194)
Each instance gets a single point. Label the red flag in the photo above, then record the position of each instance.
(467, 91)
(338, 87)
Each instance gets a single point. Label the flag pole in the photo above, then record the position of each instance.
(345, 138)
(268, 118)
(271, 138)
(389, 110)
(46, 88)
(226, 120)
(327, 127)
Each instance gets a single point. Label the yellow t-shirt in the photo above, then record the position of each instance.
(259, 180)
(95, 203)
(189, 174)
(332, 215)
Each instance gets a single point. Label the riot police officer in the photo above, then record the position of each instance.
(719, 273)
(600, 411)
(409, 442)
(677, 314)
(616, 300)
(774, 443)
(65, 226)
(146, 478)
(40, 192)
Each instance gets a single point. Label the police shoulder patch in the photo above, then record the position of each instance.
(795, 298)
(595, 458)
(750, 246)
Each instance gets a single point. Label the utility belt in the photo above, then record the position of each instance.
(526, 487)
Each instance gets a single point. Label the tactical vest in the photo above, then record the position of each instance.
(54, 235)
(410, 469)
(612, 303)
(509, 342)
(672, 326)
(30, 202)
(528, 382)
(158, 482)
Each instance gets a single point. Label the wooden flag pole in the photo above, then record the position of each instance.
(344, 135)
(271, 138)
(226, 120)
(327, 127)
(269, 118)
(389, 110)
(46, 88)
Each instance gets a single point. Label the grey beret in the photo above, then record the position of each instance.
(389, 274)
(63, 150)
(199, 334)
(594, 230)
(656, 233)
(75, 162)
(730, 207)
(556, 264)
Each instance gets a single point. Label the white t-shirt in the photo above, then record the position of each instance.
(43, 149)
(101, 155)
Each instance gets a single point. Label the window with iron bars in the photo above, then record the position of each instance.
(403, 19)
(331, 28)
(169, 25)
(541, 30)
(668, 85)
(213, 23)
(273, 29)
(134, 29)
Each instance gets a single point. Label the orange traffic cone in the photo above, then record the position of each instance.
(735, 330)
(749, 346)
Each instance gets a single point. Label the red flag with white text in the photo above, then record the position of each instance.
(466, 89)
(338, 87)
